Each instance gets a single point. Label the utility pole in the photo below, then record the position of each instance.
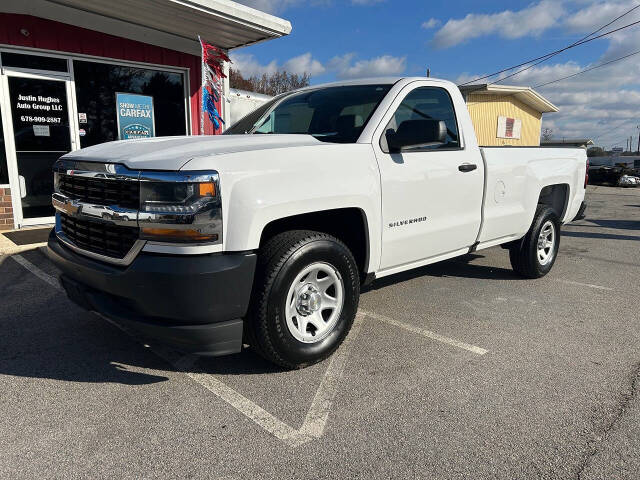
(638, 139)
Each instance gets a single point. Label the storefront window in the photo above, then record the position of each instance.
(34, 62)
(96, 87)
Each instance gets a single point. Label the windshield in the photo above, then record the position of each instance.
(331, 114)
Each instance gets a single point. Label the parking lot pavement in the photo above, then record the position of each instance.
(456, 370)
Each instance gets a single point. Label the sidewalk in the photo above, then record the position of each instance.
(16, 241)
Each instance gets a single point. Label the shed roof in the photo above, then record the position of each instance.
(526, 95)
(173, 24)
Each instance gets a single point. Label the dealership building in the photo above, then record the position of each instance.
(71, 72)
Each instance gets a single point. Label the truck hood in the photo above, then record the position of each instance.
(172, 153)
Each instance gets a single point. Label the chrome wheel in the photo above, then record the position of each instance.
(314, 302)
(546, 242)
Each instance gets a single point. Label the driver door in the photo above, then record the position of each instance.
(431, 195)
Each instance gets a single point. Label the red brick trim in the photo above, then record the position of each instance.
(6, 209)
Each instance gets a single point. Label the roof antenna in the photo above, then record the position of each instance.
(428, 72)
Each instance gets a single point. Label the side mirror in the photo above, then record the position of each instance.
(412, 134)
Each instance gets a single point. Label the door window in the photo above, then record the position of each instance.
(41, 132)
(428, 104)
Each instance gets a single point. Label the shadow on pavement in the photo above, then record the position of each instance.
(603, 236)
(459, 267)
(613, 224)
(44, 335)
(247, 362)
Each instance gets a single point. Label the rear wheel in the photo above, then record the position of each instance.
(535, 254)
(305, 298)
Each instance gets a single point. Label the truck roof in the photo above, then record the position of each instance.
(373, 81)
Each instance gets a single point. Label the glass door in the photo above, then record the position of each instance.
(41, 133)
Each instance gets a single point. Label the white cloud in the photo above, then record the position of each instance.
(269, 6)
(277, 6)
(532, 20)
(249, 66)
(344, 66)
(600, 13)
(431, 23)
(304, 64)
(602, 104)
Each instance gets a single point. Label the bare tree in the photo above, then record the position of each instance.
(272, 84)
(547, 134)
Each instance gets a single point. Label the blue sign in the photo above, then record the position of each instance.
(135, 116)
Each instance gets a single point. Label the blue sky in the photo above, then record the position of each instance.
(461, 40)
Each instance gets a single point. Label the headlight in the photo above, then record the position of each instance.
(180, 207)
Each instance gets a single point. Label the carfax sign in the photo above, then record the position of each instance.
(135, 116)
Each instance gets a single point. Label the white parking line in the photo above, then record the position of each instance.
(317, 417)
(427, 333)
(53, 281)
(315, 420)
(249, 409)
(590, 285)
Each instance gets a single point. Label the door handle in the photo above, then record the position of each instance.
(23, 186)
(467, 167)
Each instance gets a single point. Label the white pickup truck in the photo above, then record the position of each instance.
(265, 235)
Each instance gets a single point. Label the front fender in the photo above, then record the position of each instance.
(260, 187)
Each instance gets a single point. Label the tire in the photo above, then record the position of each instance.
(286, 302)
(527, 259)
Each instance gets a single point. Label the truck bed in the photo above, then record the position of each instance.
(514, 179)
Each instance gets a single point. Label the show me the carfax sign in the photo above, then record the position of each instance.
(135, 116)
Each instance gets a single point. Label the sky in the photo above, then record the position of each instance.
(466, 39)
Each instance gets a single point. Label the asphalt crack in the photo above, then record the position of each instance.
(601, 434)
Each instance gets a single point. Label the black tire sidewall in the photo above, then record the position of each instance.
(542, 218)
(321, 250)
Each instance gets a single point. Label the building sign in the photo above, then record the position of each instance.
(135, 116)
(39, 111)
(509, 127)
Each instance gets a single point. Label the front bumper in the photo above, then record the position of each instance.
(193, 303)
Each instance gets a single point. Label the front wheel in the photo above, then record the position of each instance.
(305, 298)
(535, 254)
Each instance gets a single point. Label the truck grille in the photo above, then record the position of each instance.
(101, 191)
(99, 237)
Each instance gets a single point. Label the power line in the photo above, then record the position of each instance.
(612, 129)
(588, 69)
(570, 46)
(576, 44)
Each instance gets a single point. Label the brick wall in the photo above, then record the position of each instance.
(6, 210)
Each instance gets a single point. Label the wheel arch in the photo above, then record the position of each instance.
(350, 225)
(557, 197)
